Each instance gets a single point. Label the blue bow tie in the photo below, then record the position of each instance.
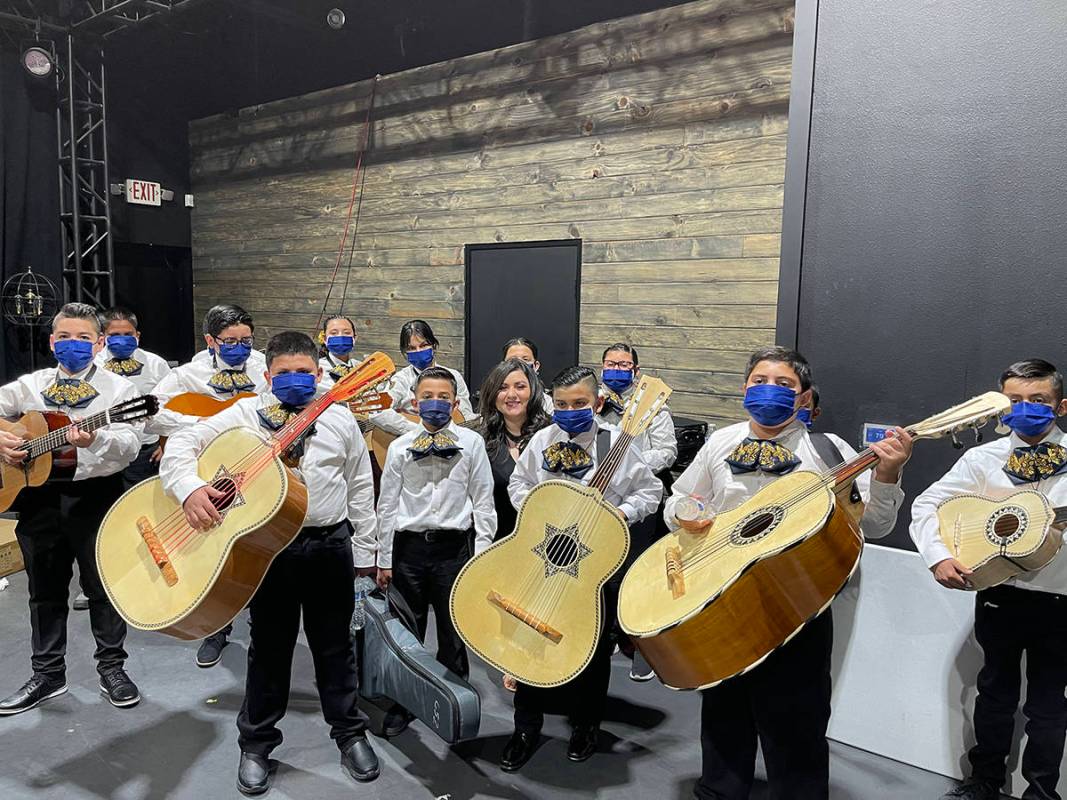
(442, 444)
(568, 458)
(231, 380)
(1032, 464)
(70, 393)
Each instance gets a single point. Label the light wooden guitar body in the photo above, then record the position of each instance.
(14, 479)
(999, 539)
(703, 608)
(537, 626)
(209, 575)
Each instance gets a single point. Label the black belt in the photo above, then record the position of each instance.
(439, 534)
(326, 531)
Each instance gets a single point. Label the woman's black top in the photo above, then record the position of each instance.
(503, 465)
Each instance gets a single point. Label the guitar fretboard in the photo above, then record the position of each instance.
(53, 440)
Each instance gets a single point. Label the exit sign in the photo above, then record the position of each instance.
(145, 193)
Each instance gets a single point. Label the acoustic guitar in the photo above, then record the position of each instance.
(194, 404)
(707, 606)
(530, 604)
(51, 457)
(999, 539)
(162, 574)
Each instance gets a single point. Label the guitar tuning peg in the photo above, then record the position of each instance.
(956, 443)
(977, 435)
(1001, 428)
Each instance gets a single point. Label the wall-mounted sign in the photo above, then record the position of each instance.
(145, 193)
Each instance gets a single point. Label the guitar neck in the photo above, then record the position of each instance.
(54, 440)
(605, 471)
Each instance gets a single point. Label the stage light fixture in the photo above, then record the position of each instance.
(38, 63)
(335, 18)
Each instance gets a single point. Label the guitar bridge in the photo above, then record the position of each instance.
(523, 616)
(157, 551)
(675, 576)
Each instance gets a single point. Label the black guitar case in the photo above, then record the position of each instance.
(393, 664)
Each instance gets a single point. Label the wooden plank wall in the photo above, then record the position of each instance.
(659, 140)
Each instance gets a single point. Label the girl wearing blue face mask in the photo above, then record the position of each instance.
(419, 346)
(338, 340)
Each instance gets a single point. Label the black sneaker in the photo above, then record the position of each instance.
(33, 692)
(640, 671)
(396, 721)
(210, 652)
(973, 790)
(117, 687)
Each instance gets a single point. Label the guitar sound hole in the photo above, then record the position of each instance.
(562, 551)
(757, 525)
(228, 487)
(1006, 525)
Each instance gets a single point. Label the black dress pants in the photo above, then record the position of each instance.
(57, 526)
(313, 576)
(784, 705)
(1008, 622)
(141, 468)
(425, 565)
(581, 699)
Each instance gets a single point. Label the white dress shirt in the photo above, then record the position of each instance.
(710, 477)
(113, 447)
(436, 494)
(153, 370)
(193, 377)
(633, 489)
(981, 471)
(402, 390)
(658, 444)
(335, 468)
(329, 362)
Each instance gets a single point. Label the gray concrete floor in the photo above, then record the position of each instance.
(180, 742)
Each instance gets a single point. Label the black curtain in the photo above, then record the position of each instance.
(29, 201)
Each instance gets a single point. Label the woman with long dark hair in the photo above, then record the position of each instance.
(512, 411)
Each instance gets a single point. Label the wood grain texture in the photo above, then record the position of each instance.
(658, 140)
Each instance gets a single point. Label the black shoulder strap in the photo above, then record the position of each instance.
(603, 445)
(831, 456)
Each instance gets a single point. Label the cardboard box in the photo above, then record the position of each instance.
(10, 552)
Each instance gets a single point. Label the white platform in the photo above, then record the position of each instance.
(905, 666)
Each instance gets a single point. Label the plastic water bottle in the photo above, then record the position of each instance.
(359, 613)
(690, 509)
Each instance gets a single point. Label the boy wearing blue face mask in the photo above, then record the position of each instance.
(312, 577)
(783, 703)
(419, 346)
(338, 339)
(227, 367)
(122, 354)
(436, 504)
(1027, 614)
(570, 449)
(58, 521)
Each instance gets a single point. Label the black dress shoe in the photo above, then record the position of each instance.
(117, 687)
(360, 761)
(33, 692)
(973, 790)
(396, 721)
(518, 750)
(210, 652)
(253, 774)
(583, 742)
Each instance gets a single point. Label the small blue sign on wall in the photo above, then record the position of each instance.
(873, 432)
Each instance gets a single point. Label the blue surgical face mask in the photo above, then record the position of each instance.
(121, 346)
(74, 354)
(804, 415)
(575, 420)
(435, 413)
(618, 380)
(235, 354)
(340, 345)
(420, 359)
(293, 388)
(1029, 419)
(770, 404)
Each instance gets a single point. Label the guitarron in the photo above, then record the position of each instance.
(51, 457)
(530, 604)
(162, 574)
(999, 539)
(707, 606)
